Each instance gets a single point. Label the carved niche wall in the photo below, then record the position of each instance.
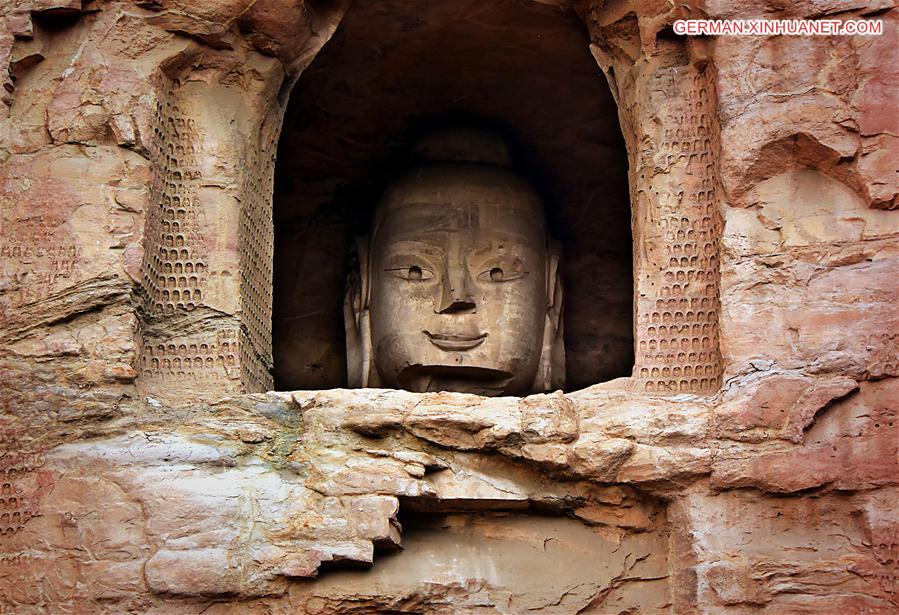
(207, 274)
(335, 156)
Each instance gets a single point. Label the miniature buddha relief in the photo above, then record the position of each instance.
(457, 287)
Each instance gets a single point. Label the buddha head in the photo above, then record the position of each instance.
(457, 286)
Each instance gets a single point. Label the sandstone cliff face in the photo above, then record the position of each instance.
(147, 466)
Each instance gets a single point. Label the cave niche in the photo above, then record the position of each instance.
(390, 73)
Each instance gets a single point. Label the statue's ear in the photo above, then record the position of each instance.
(355, 317)
(551, 374)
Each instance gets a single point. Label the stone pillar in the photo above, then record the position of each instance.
(189, 332)
(666, 101)
(677, 302)
(208, 245)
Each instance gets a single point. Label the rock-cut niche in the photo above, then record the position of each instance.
(365, 114)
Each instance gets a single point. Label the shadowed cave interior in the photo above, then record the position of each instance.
(397, 69)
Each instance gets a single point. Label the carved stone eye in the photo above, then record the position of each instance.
(412, 273)
(499, 275)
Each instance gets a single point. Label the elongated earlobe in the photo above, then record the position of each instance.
(551, 373)
(356, 317)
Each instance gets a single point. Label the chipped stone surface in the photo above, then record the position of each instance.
(254, 492)
(170, 487)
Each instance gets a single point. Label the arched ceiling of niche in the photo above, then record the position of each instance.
(392, 64)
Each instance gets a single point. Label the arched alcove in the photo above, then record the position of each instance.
(391, 72)
(639, 217)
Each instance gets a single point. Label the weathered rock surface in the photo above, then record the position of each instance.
(245, 496)
(138, 475)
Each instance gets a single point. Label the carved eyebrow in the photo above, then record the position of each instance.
(405, 259)
(513, 249)
(413, 247)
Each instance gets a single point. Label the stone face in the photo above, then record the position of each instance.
(458, 285)
(139, 471)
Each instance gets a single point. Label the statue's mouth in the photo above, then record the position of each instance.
(445, 341)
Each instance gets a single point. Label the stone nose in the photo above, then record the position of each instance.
(455, 292)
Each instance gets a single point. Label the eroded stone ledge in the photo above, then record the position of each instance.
(247, 495)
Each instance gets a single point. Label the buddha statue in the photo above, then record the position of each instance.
(457, 287)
